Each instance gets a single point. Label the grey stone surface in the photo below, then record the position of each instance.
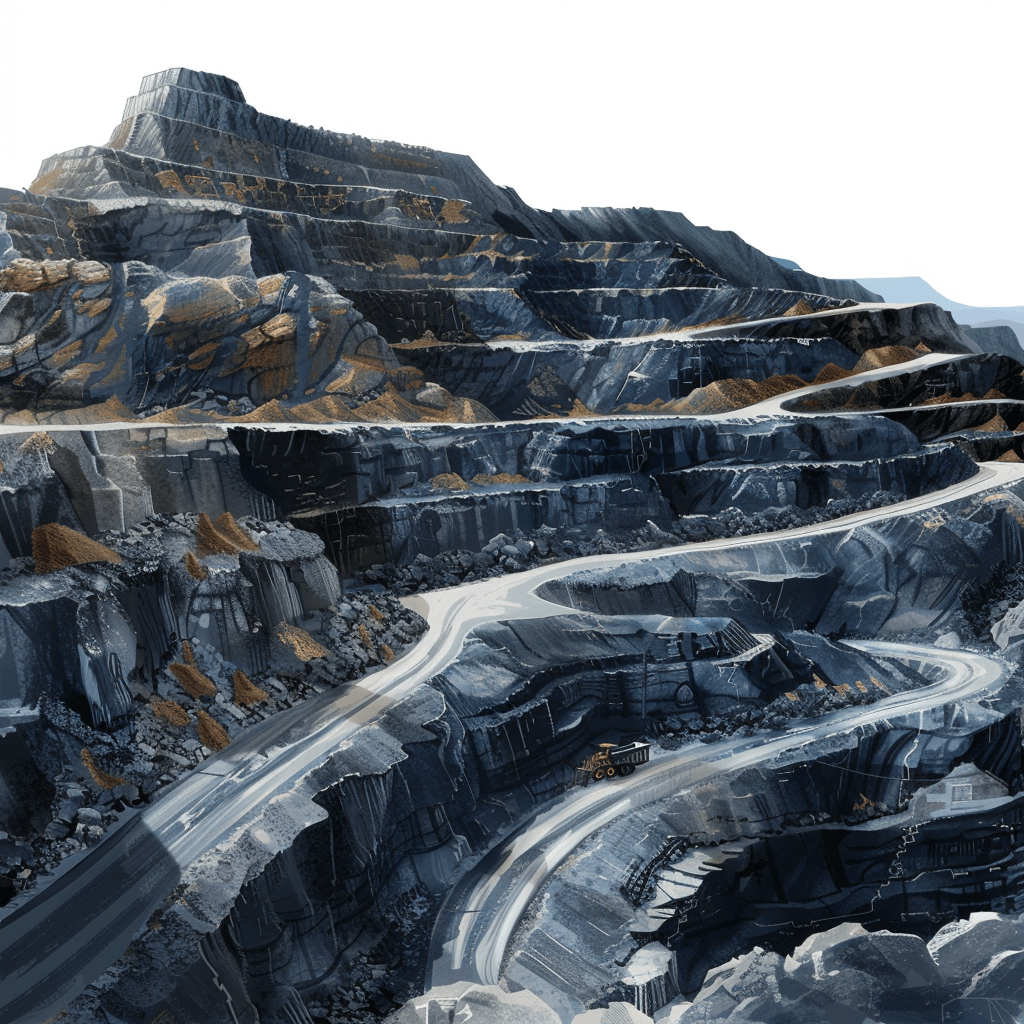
(292, 259)
(343, 369)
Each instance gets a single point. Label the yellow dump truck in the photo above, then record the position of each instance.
(611, 760)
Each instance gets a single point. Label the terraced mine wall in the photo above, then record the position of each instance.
(393, 256)
(355, 465)
(937, 422)
(906, 877)
(507, 376)
(980, 399)
(297, 261)
(378, 494)
(179, 112)
(723, 250)
(902, 574)
(98, 480)
(471, 313)
(625, 676)
(861, 329)
(988, 377)
(398, 530)
(385, 494)
(386, 231)
(394, 813)
(986, 446)
(606, 377)
(300, 260)
(709, 489)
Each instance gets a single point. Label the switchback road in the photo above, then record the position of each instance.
(57, 939)
(483, 909)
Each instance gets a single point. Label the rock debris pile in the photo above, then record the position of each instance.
(270, 377)
(112, 742)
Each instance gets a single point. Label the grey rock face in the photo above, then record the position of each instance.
(329, 357)
(291, 260)
(755, 488)
(869, 580)
(382, 495)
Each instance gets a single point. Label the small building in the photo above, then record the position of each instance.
(965, 788)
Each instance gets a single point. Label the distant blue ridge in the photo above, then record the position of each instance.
(917, 289)
(789, 264)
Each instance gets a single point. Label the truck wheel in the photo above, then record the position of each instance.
(599, 774)
(611, 770)
(627, 769)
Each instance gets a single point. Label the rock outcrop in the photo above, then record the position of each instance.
(257, 379)
(212, 261)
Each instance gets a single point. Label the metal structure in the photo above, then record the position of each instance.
(611, 760)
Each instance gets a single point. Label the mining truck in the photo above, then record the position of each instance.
(611, 760)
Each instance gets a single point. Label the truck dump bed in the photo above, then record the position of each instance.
(610, 761)
(631, 753)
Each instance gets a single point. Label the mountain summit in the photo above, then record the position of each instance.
(214, 261)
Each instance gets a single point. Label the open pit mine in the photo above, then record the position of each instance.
(416, 607)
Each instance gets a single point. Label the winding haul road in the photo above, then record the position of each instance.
(53, 942)
(775, 406)
(483, 909)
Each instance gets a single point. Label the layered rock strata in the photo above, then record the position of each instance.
(249, 366)
(211, 260)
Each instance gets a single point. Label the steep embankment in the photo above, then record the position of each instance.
(212, 260)
(286, 373)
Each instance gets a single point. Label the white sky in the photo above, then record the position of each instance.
(857, 139)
